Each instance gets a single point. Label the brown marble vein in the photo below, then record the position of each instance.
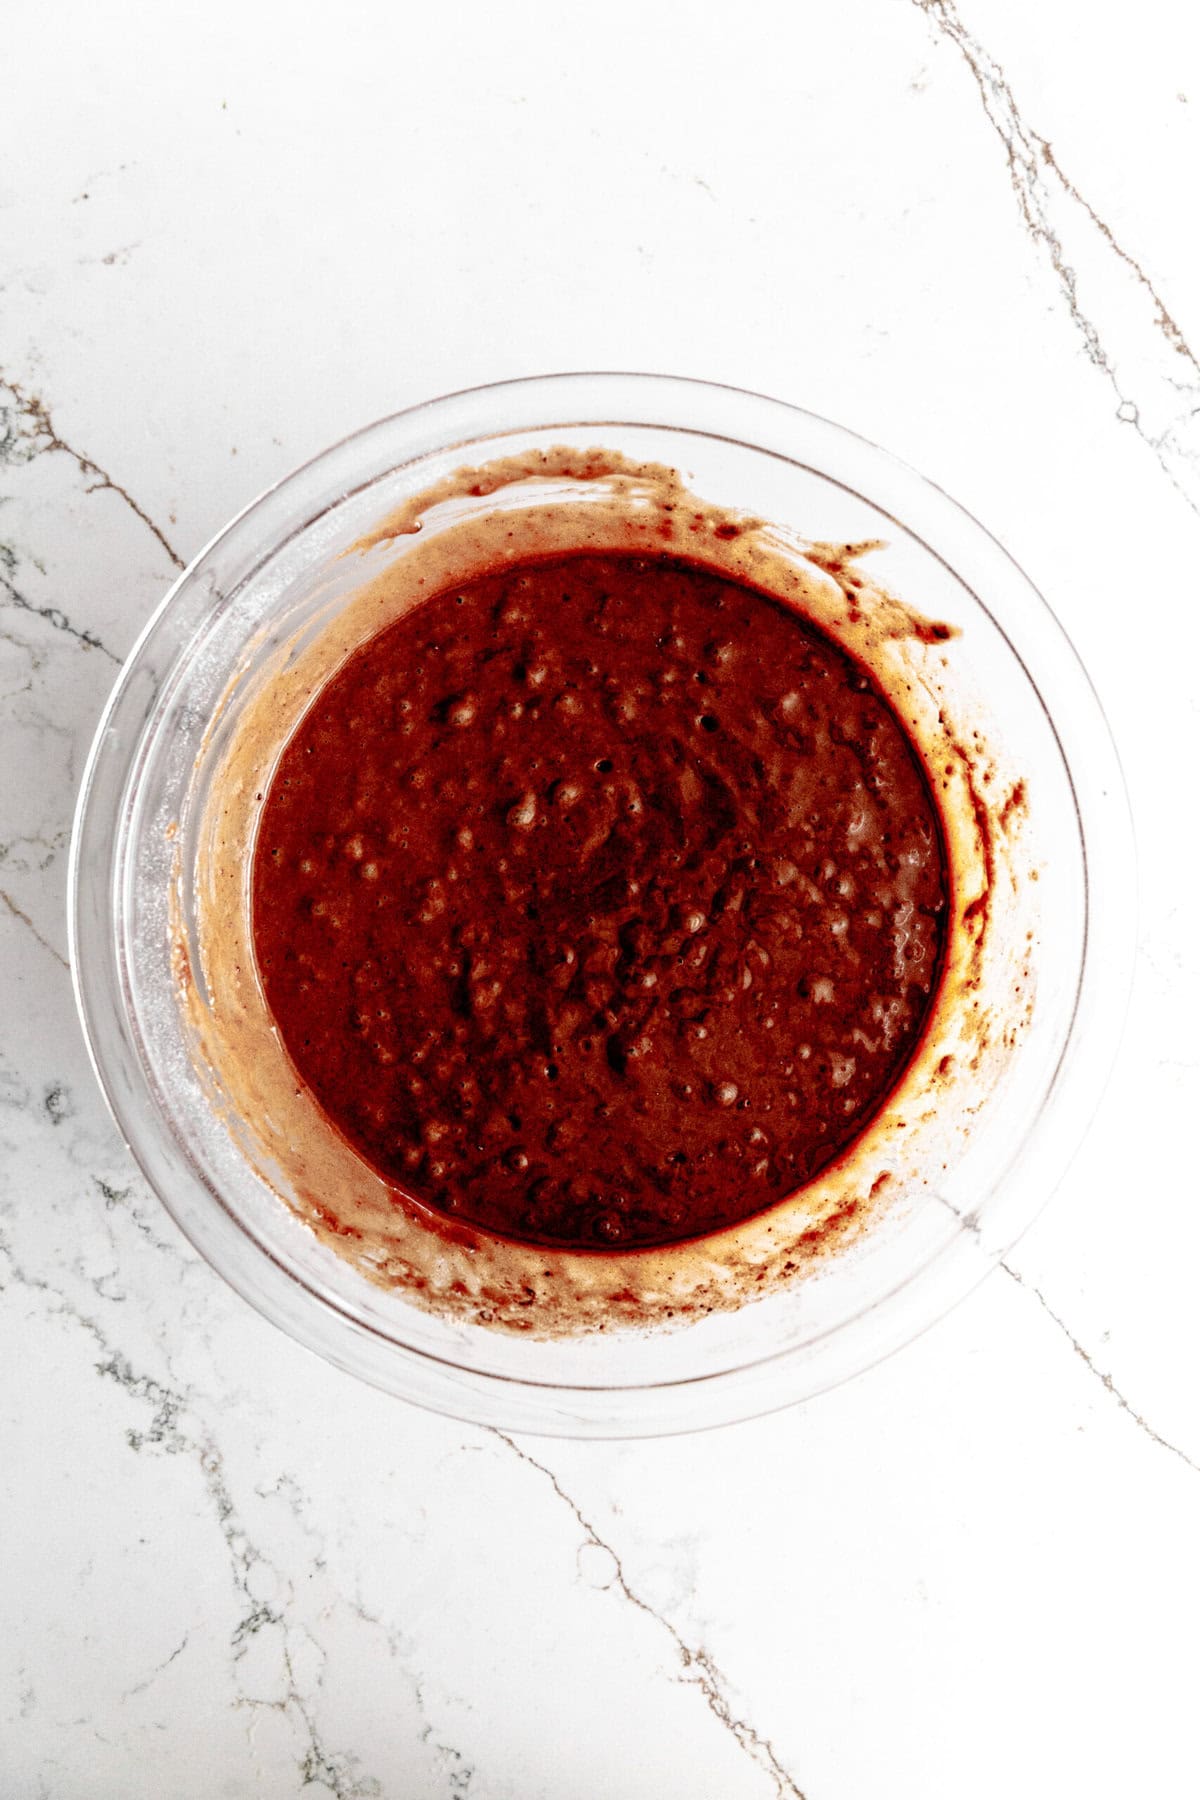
(23, 917)
(699, 1669)
(34, 432)
(1129, 333)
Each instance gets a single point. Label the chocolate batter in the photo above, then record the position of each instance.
(600, 901)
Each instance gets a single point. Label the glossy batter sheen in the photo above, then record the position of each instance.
(600, 901)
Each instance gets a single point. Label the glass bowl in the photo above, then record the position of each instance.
(275, 568)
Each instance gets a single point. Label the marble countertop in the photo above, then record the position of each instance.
(228, 236)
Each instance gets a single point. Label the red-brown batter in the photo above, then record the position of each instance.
(600, 901)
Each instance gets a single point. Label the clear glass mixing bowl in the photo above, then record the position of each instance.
(266, 569)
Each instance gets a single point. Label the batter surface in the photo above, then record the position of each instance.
(600, 902)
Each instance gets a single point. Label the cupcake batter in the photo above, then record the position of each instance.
(600, 901)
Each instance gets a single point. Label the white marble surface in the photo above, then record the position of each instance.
(229, 234)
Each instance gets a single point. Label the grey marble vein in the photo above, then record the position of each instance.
(141, 1687)
(53, 615)
(1128, 331)
(1102, 1376)
(458, 1769)
(174, 1431)
(699, 1669)
(970, 1222)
